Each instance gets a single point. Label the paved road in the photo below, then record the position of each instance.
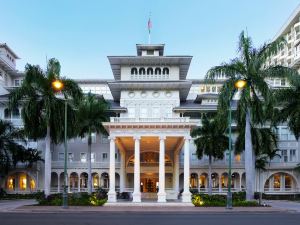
(109, 218)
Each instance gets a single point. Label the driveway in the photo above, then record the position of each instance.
(8, 205)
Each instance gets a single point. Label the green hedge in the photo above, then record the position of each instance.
(238, 199)
(77, 199)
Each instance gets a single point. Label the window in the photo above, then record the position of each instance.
(214, 89)
(142, 71)
(70, 157)
(93, 157)
(150, 52)
(149, 71)
(155, 112)
(165, 70)
(284, 155)
(61, 156)
(168, 111)
(104, 156)
(93, 137)
(7, 113)
(15, 113)
(116, 155)
(292, 155)
(157, 71)
(17, 83)
(282, 82)
(104, 139)
(143, 112)
(131, 112)
(83, 157)
(134, 71)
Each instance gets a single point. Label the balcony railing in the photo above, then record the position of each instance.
(17, 122)
(150, 120)
(149, 164)
(84, 165)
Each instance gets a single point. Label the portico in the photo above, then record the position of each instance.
(151, 150)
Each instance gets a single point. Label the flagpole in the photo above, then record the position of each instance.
(149, 38)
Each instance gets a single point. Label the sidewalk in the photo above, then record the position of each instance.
(9, 205)
(145, 209)
(282, 204)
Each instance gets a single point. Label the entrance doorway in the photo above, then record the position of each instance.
(149, 184)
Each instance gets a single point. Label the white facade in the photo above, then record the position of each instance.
(149, 152)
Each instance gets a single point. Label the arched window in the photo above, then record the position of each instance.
(7, 114)
(149, 71)
(165, 70)
(134, 71)
(15, 113)
(157, 71)
(142, 71)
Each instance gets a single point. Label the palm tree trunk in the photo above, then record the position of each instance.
(47, 179)
(209, 176)
(90, 162)
(249, 159)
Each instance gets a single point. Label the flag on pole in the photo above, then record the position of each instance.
(149, 25)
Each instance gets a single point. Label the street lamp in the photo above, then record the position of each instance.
(239, 84)
(58, 85)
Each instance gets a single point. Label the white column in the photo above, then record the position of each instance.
(112, 189)
(137, 190)
(78, 183)
(220, 183)
(58, 183)
(186, 195)
(176, 172)
(122, 172)
(161, 189)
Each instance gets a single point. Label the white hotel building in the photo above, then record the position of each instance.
(149, 152)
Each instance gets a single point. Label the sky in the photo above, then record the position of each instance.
(82, 33)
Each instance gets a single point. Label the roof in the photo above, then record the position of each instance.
(182, 61)
(294, 17)
(159, 47)
(4, 45)
(117, 86)
(205, 96)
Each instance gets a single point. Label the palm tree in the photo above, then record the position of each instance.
(289, 102)
(265, 147)
(11, 149)
(256, 98)
(92, 112)
(211, 141)
(42, 111)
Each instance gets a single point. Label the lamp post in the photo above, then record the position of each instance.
(58, 86)
(239, 84)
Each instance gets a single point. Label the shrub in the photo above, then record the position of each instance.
(220, 200)
(76, 199)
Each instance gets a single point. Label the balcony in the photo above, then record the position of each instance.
(150, 120)
(17, 122)
(81, 165)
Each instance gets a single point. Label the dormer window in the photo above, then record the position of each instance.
(142, 71)
(166, 70)
(149, 71)
(157, 71)
(134, 71)
(150, 52)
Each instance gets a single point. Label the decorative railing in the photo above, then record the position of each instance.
(149, 164)
(150, 120)
(79, 165)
